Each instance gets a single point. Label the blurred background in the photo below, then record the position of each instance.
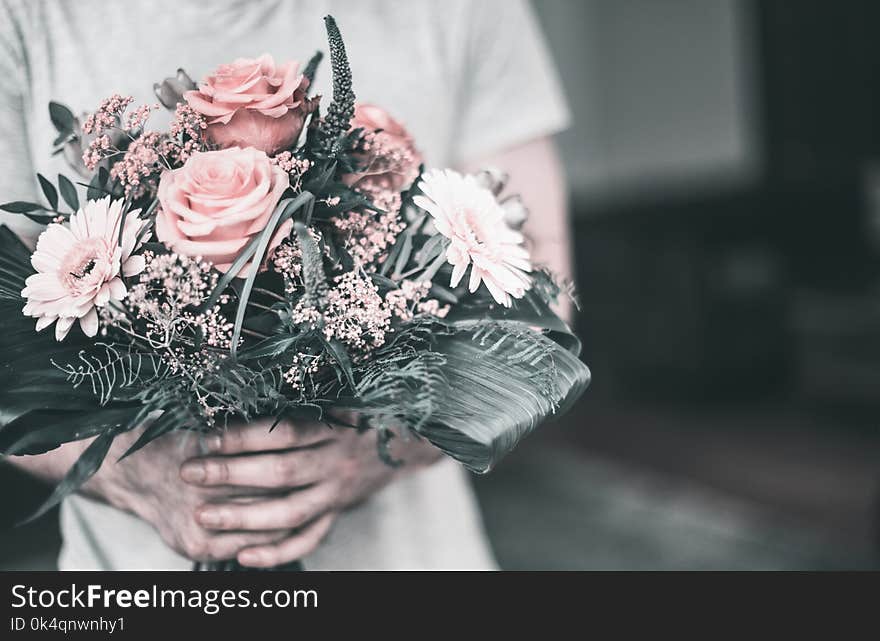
(725, 191)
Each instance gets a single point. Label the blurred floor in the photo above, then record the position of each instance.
(661, 487)
(557, 509)
(647, 488)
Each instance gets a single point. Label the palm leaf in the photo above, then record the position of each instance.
(499, 391)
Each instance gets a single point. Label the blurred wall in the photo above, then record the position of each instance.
(661, 92)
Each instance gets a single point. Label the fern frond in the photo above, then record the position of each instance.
(108, 369)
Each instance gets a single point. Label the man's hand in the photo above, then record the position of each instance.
(148, 484)
(313, 472)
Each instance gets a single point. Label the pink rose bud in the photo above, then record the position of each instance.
(390, 158)
(253, 103)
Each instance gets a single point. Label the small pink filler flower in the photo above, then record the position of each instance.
(79, 267)
(470, 216)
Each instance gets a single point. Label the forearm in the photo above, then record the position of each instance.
(104, 485)
(51, 466)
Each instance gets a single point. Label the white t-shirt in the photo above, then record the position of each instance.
(467, 79)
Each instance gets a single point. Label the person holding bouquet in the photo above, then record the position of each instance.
(472, 82)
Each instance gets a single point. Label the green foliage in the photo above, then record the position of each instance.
(62, 118)
(27, 209)
(68, 192)
(39, 431)
(312, 66)
(49, 191)
(474, 393)
(109, 370)
(284, 211)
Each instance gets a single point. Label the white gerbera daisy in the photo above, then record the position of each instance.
(79, 267)
(470, 216)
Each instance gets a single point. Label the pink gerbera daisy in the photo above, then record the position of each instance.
(470, 216)
(79, 267)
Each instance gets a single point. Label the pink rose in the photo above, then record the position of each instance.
(390, 160)
(253, 103)
(213, 205)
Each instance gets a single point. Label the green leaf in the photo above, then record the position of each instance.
(49, 191)
(68, 192)
(312, 66)
(272, 346)
(60, 139)
(340, 355)
(62, 117)
(21, 207)
(476, 393)
(383, 282)
(439, 261)
(531, 310)
(284, 211)
(430, 250)
(97, 187)
(85, 467)
(402, 257)
(169, 421)
(503, 384)
(39, 431)
(441, 293)
(246, 254)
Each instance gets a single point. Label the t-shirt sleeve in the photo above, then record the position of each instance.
(511, 91)
(16, 169)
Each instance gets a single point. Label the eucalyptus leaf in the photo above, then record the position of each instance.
(21, 207)
(68, 192)
(62, 117)
(49, 191)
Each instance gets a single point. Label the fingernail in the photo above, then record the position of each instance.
(248, 558)
(211, 518)
(193, 472)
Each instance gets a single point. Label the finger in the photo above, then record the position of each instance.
(227, 545)
(260, 436)
(291, 511)
(275, 470)
(289, 549)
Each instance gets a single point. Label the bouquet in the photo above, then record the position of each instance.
(264, 256)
